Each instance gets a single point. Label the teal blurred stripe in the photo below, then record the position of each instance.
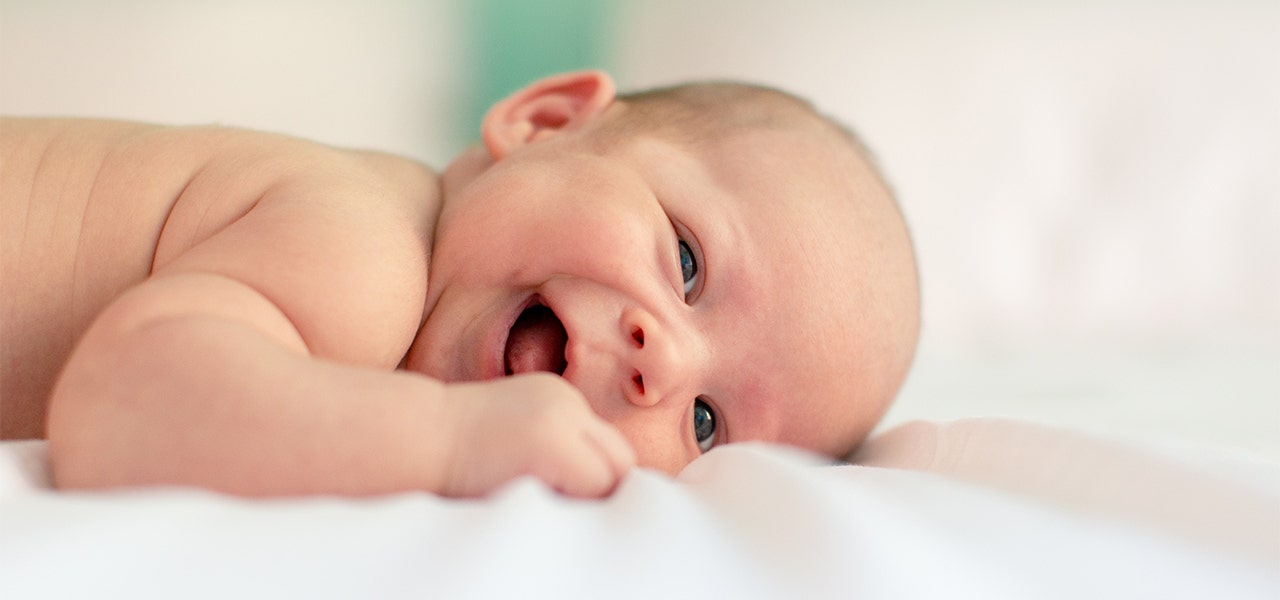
(513, 42)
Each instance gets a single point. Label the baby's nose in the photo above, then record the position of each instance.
(662, 359)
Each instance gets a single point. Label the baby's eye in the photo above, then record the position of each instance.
(704, 425)
(688, 268)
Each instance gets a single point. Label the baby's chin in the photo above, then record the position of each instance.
(418, 360)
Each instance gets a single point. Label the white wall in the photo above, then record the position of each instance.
(371, 73)
(1069, 172)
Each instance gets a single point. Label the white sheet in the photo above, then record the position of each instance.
(747, 521)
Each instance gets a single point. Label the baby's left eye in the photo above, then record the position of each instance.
(688, 268)
(704, 425)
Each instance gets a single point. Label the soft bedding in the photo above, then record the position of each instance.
(970, 509)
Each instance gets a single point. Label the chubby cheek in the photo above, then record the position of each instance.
(656, 444)
(524, 246)
(473, 243)
(614, 247)
(661, 458)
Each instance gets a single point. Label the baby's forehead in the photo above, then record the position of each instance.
(838, 301)
(806, 362)
(783, 187)
(796, 178)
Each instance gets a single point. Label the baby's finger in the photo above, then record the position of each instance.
(616, 449)
(585, 471)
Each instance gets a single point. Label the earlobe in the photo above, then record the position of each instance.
(546, 108)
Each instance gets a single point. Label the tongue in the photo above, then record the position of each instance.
(536, 342)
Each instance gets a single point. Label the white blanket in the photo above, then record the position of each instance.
(948, 516)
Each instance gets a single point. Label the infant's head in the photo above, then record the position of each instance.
(708, 263)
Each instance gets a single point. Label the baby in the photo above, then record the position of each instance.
(606, 281)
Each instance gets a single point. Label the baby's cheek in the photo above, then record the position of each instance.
(475, 241)
(617, 256)
(661, 453)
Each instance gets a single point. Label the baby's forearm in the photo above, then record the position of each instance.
(198, 379)
(216, 403)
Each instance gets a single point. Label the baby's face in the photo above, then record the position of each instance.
(750, 289)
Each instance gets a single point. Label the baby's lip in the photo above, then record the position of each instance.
(493, 364)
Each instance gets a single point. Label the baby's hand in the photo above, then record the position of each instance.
(533, 424)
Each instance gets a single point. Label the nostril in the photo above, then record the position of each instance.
(637, 334)
(639, 381)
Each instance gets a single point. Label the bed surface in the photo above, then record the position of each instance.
(936, 510)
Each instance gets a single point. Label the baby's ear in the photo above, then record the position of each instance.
(545, 108)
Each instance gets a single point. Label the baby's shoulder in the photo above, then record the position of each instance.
(295, 185)
(338, 239)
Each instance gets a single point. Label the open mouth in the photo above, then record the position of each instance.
(536, 342)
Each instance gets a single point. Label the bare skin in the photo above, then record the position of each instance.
(156, 254)
(262, 315)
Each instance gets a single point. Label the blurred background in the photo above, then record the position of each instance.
(1094, 187)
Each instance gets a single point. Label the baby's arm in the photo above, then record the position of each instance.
(196, 379)
(254, 361)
